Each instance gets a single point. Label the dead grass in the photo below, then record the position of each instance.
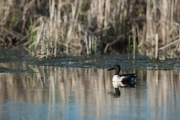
(77, 27)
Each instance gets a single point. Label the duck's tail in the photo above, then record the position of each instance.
(133, 79)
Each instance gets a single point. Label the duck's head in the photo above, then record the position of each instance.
(115, 67)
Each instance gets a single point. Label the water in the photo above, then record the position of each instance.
(80, 88)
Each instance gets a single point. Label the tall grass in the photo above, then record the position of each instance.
(78, 27)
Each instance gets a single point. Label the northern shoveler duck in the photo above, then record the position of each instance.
(122, 80)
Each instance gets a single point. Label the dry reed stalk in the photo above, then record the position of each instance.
(107, 12)
(164, 16)
(5, 10)
(76, 7)
(156, 46)
(170, 44)
(100, 17)
(177, 49)
(134, 41)
(149, 22)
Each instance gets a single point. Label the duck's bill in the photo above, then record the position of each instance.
(110, 69)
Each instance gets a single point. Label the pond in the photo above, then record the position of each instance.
(81, 88)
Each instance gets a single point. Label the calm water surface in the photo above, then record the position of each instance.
(80, 88)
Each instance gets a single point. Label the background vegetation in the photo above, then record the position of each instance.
(49, 28)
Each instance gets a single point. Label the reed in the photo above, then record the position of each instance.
(93, 26)
(129, 42)
(33, 39)
(134, 42)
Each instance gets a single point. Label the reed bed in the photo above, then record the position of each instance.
(77, 27)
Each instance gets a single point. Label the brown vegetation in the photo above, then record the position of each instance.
(75, 27)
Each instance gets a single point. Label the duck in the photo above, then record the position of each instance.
(122, 80)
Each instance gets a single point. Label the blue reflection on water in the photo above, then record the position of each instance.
(42, 111)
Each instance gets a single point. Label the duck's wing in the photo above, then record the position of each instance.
(128, 79)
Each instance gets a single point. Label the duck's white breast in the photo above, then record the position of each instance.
(117, 78)
(117, 81)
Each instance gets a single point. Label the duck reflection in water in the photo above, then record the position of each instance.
(122, 80)
(117, 92)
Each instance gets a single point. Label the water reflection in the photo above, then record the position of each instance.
(116, 93)
(84, 93)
